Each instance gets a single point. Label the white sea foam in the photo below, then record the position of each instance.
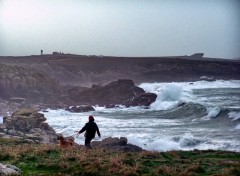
(168, 96)
(237, 127)
(234, 115)
(185, 142)
(1, 119)
(148, 133)
(162, 145)
(155, 87)
(212, 112)
(153, 129)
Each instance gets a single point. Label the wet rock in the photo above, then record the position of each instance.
(119, 144)
(83, 108)
(144, 99)
(122, 92)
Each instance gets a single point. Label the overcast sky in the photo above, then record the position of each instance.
(121, 27)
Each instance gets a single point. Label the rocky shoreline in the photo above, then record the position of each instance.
(25, 138)
(120, 92)
(29, 126)
(61, 81)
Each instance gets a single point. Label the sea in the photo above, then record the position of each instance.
(199, 115)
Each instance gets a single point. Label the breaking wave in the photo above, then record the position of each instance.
(185, 116)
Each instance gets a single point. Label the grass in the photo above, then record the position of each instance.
(45, 159)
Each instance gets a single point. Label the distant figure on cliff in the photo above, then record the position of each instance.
(91, 128)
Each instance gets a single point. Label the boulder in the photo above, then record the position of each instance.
(9, 170)
(30, 125)
(119, 144)
(122, 92)
(144, 99)
(82, 108)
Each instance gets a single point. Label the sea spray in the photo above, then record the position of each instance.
(234, 115)
(237, 127)
(168, 98)
(162, 145)
(179, 128)
(212, 112)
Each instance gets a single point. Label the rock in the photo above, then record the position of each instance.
(11, 132)
(119, 144)
(30, 85)
(122, 92)
(113, 142)
(31, 126)
(83, 108)
(197, 55)
(144, 99)
(25, 119)
(130, 148)
(8, 170)
(24, 112)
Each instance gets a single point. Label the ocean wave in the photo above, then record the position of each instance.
(168, 98)
(185, 142)
(212, 112)
(234, 115)
(237, 127)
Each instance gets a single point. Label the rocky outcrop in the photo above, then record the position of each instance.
(119, 144)
(122, 92)
(197, 55)
(82, 108)
(29, 125)
(7, 170)
(26, 85)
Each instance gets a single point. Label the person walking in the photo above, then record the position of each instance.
(91, 128)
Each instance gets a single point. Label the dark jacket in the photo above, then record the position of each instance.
(91, 128)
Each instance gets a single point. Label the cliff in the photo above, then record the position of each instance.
(80, 70)
(18, 84)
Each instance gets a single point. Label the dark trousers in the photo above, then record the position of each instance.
(88, 141)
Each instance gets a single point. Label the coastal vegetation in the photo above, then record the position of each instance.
(50, 159)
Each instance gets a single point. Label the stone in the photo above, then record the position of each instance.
(31, 126)
(8, 170)
(120, 92)
(118, 144)
(11, 132)
(83, 108)
(144, 99)
(24, 112)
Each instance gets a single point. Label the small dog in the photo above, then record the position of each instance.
(66, 142)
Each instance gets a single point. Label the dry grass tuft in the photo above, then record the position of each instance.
(52, 160)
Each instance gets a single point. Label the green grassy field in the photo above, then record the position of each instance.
(48, 159)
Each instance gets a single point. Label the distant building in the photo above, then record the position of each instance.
(57, 53)
(41, 52)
